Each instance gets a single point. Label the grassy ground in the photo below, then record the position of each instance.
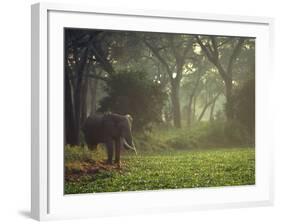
(84, 173)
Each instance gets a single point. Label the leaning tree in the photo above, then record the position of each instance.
(223, 52)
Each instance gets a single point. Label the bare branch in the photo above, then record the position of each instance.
(157, 54)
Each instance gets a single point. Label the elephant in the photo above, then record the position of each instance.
(113, 130)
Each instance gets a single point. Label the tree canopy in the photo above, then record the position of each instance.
(176, 79)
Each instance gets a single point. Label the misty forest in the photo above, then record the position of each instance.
(151, 111)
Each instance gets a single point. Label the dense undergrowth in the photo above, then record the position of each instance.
(203, 135)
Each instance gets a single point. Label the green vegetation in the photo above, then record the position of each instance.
(216, 134)
(127, 93)
(152, 171)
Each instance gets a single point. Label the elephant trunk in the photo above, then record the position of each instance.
(127, 145)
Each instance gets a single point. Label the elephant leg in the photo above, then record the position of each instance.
(109, 147)
(117, 151)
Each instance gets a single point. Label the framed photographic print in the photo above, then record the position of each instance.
(138, 111)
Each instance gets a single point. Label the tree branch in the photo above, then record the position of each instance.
(157, 54)
(205, 49)
(212, 57)
(215, 48)
(207, 105)
(234, 55)
(103, 62)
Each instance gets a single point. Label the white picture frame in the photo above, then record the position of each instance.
(47, 199)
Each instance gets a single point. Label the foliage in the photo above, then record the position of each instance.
(132, 92)
(203, 135)
(77, 153)
(181, 169)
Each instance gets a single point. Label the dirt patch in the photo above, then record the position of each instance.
(76, 170)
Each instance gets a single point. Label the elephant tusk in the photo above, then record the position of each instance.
(135, 150)
(128, 146)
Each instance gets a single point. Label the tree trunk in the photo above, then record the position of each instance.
(94, 86)
(189, 111)
(83, 99)
(194, 109)
(203, 111)
(229, 99)
(77, 94)
(212, 111)
(69, 123)
(176, 103)
(207, 105)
